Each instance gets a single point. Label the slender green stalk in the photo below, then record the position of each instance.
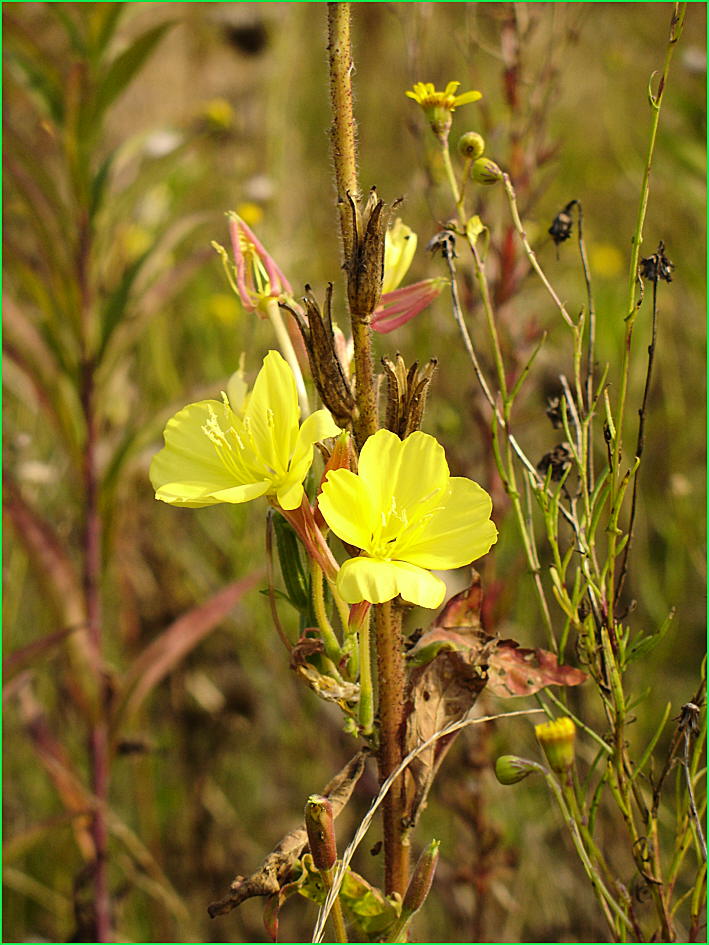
(329, 637)
(338, 919)
(366, 692)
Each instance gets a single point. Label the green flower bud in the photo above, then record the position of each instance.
(471, 145)
(321, 831)
(485, 171)
(558, 739)
(509, 769)
(421, 880)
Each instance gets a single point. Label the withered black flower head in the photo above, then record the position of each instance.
(406, 394)
(443, 242)
(657, 266)
(558, 460)
(364, 260)
(555, 407)
(328, 372)
(560, 230)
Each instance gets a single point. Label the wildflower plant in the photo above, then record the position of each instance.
(388, 495)
(372, 521)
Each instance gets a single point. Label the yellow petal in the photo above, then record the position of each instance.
(272, 413)
(458, 532)
(290, 493)
(244, 493)
(399, 248)
(466, 98)
(189, 455)
(377, 581)
(346, 507)
(414, 471)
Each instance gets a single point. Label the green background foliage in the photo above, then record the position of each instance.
(152, 120)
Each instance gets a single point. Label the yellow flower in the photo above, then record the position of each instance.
(439, 106)
(241, 448)
(427, 97)
(408, 515)
(399, 248)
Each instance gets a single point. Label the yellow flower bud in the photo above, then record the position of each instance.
(557, 738)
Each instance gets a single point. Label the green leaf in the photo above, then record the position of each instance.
(126, 66)
(103, 22)
(41, 81)
(292, 569)
(98, 185)
(77, 38)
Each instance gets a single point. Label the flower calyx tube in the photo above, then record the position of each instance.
(406, 394)
(399, 306)
(408, 516)
(328, 372)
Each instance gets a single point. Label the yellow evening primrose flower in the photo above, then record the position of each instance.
(399, 248)
(408, 515)
(241, 448)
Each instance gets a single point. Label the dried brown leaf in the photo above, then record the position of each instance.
(275, 870)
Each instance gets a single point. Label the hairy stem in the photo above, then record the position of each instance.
(390, 683)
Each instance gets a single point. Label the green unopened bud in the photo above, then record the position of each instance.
(509, 769)
(421, 880)
(485, 171)
(321, 831)
(558, 739)
(471, 145)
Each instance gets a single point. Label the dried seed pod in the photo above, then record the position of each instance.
(327, 370)
(321, 831)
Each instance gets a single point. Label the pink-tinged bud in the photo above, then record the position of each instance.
(359, 615)
(421, 880)
(400, 306)
(258, 276)
(321, 831)
(342, 457)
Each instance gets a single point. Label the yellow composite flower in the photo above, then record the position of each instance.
(408, 515)
(229, 451)
(427, 97)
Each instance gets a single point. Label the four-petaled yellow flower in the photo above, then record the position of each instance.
(439, 106)
(218, 452)
(408, 515)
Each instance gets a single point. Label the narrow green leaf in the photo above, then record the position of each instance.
(653, 741)
(103, 22)
(126, 66)
(73, 30)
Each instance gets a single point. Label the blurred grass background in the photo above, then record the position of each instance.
(231, 112)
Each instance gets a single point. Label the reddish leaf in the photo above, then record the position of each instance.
(514, 671)
(48, 555)
(19, 659)
(273, 876)
(162, 655)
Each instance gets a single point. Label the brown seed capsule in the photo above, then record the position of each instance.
(321, 831)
